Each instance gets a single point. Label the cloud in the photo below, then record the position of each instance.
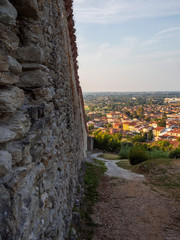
(111, 11)
(131, 55)
(163, 34)
(131, 51)
(168, 30)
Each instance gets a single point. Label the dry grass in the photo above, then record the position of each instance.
(162, 174)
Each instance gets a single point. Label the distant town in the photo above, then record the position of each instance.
(155, 116)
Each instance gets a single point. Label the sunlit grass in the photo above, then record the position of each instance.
(93, 174)
(125, 164)
(109, 156)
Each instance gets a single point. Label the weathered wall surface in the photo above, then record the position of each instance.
(42, 130)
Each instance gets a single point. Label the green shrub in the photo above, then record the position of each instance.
(164, 145)
(157, 153)
(123, 153)
(175, 153)
(126, 144)
(137, 155)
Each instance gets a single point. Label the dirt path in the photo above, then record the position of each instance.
(131, 210)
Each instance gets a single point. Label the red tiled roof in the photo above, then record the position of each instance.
(159, 128)
(132, 124)
(176, 130)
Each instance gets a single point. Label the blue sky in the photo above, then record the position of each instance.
(128, 45)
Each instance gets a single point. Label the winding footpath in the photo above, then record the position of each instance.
(130, 210)
(114, 171)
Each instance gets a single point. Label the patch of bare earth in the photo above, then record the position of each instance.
(131, 210)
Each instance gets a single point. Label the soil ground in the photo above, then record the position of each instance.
(131, 210)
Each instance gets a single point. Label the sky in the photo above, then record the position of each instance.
(128, 45)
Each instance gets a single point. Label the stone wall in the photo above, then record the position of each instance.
(42, 126)
(90, 143)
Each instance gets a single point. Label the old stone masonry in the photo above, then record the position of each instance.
(42, 126)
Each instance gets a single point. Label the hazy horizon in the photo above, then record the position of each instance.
(132, 91)
(128, 45)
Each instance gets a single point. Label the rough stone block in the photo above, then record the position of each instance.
(4, 66)
(44, 93)
(15, 149)
(36, 78)
(5, 162)
(8, 13)
(19, 124)
(8, 38)
(14, 66)
(32, 66)
(30, 55)
(27, 8)
(6, 135)
(7, 78)
(11, 98)
(33, 34)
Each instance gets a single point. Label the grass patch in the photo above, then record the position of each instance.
(91, 180)
(125, 164)
(163, 175)
(109, 156)
(154, 166)
(157, 154)
(93, 174)
(169, 184)
(101, 164)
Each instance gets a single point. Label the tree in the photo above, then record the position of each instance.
(88, 118)
(138, 138)
(107, 141)
(164, 145)
(91, 108)
(164, 116)
(91, 127)
(127, 113)
(161, 123)
(145, 136)
(140, 111)
(109, 125)
(134, 115)
(148, 119)
(150, 135)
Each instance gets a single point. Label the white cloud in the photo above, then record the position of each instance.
(131, 51)
(135, 62)
(163, 34)
(106, 11)
(168, 30)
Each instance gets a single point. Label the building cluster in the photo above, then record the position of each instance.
(172, 100)
(116, 122)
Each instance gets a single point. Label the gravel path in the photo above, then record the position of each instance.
(130, 210)
(114, 171)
